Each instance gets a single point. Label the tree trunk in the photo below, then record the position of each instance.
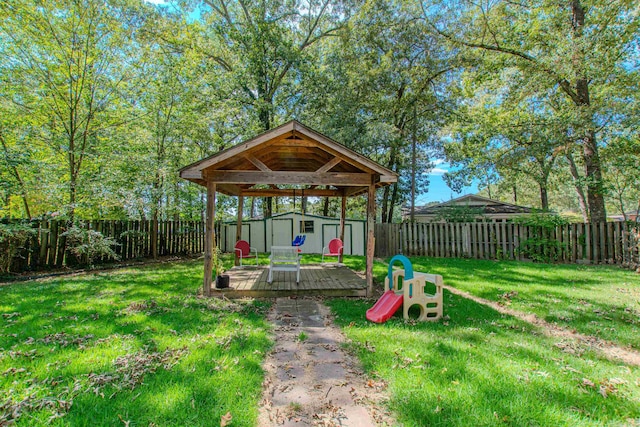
(16, 174)
(203, 216)
(72, 179)
(544, 197)
(267, 207)
(325, 207)
(385, 199)
(23, 192)
(392, 203)
(155, 214)
(154, 234)
(413, 167)
(72, 197)
(253, 207)
(593, 172)
(578, 187)
(264, 115)
(176, 201)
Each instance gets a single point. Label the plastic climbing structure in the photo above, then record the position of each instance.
(406, 288)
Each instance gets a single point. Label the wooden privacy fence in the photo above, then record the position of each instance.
(46, 249)
(605, 242)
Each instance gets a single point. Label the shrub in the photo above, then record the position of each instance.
(541, 246)
(89, 244)
(459, 214)
(13, 238)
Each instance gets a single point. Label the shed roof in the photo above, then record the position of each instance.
(488, 206)
(281, 160)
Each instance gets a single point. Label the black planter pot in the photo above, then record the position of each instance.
(222, 281)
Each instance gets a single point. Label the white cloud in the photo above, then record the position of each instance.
(161, 2)
(438, 171)
(438, 162)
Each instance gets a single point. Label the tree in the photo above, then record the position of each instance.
(378, 90)
(511, 133)
(623, 174)
(77, 56)
(14, 158)
(259, 47)
(578, 47)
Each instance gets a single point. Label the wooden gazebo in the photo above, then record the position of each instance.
(280, 162)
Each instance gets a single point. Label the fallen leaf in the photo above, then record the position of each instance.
(603, 391)
(588, 383)
(225, 420)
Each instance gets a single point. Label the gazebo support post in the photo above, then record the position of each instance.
(209, 238)
(343, 214)
(239, 227)
(371, 240)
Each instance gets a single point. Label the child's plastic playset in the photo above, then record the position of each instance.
(406, 288)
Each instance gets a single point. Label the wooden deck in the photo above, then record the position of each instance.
(333, 280)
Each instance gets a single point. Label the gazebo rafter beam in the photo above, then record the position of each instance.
(288, 177)
(329, 165)
(288, 192)
(257, 163)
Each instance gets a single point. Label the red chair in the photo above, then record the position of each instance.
(243, 250)
(334, 249)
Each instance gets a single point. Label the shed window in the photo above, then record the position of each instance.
(306, 226)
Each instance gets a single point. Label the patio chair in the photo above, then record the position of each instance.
(299, 241)
(334, 248)
(243, 250)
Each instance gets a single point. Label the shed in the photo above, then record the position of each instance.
(280, 230)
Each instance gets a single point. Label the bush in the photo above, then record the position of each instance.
(459, 214)
(89, 244)
(13, 238)
(541, 246)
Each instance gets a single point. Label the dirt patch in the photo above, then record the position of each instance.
(310, 380)
(608, 349)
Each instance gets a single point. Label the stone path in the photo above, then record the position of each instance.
(309, 380)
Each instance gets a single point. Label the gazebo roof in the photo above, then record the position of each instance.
(280, 161)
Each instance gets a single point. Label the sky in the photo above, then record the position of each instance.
(438, 190)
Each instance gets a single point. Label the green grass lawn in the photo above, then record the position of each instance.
(595, 300)
(130, 347)
(138, 347)
(479, 367)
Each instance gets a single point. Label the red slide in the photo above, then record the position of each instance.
(384, 308)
